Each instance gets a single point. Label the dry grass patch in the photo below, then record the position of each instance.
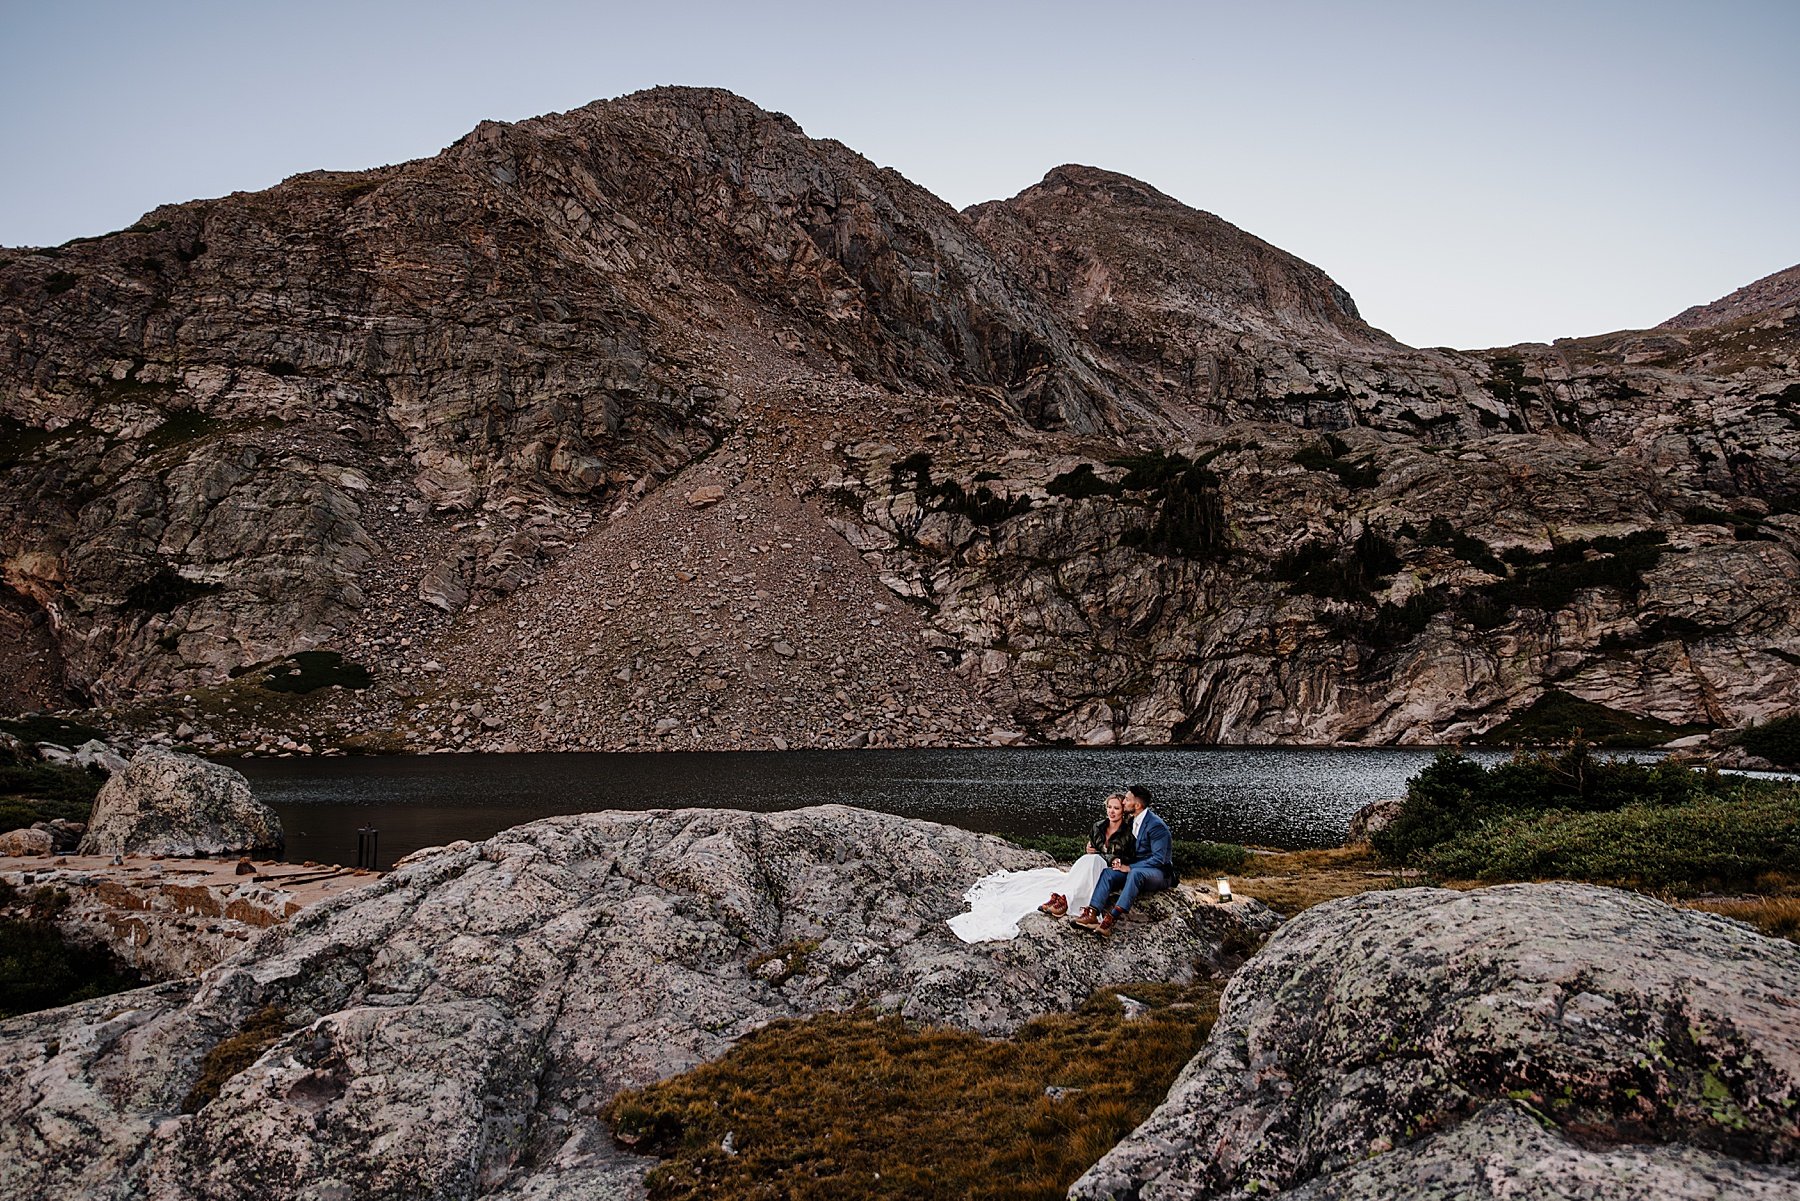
(1289, 881)
(1776, 913)
(859, 1105)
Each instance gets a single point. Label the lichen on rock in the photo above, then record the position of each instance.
(1525, 1040)
(455, 1027)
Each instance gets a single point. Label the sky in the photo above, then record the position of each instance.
(1475, 174)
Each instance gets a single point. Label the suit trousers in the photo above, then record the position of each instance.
(1141, 879)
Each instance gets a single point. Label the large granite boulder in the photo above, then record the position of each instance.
(453, 1029)
(1524, 1041)
(25, 842)
(166, 803)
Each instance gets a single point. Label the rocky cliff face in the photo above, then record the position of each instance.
(1530, 1040)
(454, 1029)
(1082, 464)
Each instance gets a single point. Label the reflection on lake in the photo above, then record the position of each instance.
(1287, 797)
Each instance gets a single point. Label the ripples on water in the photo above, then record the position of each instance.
(1286, 797)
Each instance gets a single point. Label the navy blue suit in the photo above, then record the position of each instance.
(1152, 871)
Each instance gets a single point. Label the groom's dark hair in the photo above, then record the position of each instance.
(1140, 792)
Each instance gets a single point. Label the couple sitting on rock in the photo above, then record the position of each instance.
(1128, 855)
(1130, 852)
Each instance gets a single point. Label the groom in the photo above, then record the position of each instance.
(1152, 870)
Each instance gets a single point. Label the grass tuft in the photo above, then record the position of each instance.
(232, 1055)
(866, 1105)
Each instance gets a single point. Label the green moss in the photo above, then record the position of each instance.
(1778, 740)
(232, 1055)
(1557, 717)
(307, 671)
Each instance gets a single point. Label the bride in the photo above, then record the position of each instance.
(997, 902)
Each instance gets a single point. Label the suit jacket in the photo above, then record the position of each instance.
(1155, 845)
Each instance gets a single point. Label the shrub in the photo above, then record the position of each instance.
(1609, 821)
(1704, 844)
(37, 792)
(1352, 474)
(165, 591)
(1467, 547)
(308, 671)
(1778, 741)
(40, 969)
(1551, 580)
(41, 727)
(1340, 573)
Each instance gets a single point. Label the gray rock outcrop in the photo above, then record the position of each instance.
(166, 803)
(454, 1028)
(1521, 1041)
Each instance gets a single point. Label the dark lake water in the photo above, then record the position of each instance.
(1284, 797)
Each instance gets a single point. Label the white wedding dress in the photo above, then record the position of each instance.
(997, 902)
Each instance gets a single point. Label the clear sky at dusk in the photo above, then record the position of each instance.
(1474, 174)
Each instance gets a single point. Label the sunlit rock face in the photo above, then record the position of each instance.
(440, 418)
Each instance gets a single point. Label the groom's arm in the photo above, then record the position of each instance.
(1162, 847)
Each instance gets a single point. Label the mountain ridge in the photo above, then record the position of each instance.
(378, 413)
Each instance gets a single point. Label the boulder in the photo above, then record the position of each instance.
(31, 841)
(165, 803)
(457, 1024)
(65, 835)
(1523, 1041)
(706, 496)
(94, 753)
(1374, 816)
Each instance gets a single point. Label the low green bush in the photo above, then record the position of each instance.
(1574, 815)
(1193, 856)
(1706, 844)
(1556, 717)
(39, 792)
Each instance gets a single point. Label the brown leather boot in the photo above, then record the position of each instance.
(1104, 926)
(1089, 918)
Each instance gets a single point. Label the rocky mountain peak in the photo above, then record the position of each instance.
(1767, 296)
(1095, 183)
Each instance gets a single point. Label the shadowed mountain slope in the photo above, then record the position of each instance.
(657, 423)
